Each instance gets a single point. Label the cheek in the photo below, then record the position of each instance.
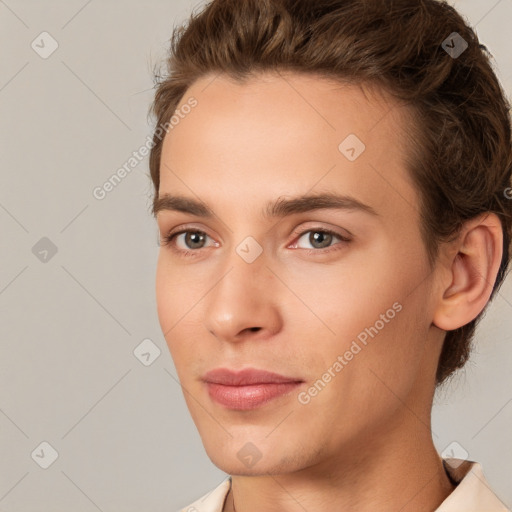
(176, 293)
(349, 295)
(363, 308)
(172, 300)
(383, 332)
(164, 295)
(178, 296)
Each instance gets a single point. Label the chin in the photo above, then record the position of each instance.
(248, 460)
(235, 467)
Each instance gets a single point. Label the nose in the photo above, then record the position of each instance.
(243, 303)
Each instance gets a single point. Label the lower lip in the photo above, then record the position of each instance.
(248, 397)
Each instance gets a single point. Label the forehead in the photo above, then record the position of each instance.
(287, 133)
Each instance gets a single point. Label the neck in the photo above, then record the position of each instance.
(403, 473)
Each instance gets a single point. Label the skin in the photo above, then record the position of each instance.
(364, 442)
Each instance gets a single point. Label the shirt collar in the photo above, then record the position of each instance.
(473, 493)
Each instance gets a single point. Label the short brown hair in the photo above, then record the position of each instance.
(462, 161)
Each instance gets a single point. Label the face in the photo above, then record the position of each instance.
(305, 261)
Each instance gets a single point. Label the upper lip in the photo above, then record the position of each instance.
(245, 377)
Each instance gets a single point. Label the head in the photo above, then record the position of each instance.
(339, 213)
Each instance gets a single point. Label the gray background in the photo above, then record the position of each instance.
(69, 325)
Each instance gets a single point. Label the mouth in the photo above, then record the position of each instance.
(247, 389)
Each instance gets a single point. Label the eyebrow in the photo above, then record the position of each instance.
(281, 207)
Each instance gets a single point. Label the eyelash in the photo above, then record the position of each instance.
(169, 241)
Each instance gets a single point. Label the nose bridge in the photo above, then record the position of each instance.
(241, 297)
(244, 266)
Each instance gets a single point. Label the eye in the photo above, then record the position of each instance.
(189, 242)
(186, 242)
(191, 239)
(319, 238)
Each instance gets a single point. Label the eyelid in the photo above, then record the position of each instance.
(317, 225)
(186, 228)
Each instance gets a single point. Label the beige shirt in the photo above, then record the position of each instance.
(472, 493)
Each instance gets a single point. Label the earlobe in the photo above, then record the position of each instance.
(472, 273)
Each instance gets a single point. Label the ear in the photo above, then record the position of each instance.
(470, 272)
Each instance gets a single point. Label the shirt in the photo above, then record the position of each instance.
(472, 493)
